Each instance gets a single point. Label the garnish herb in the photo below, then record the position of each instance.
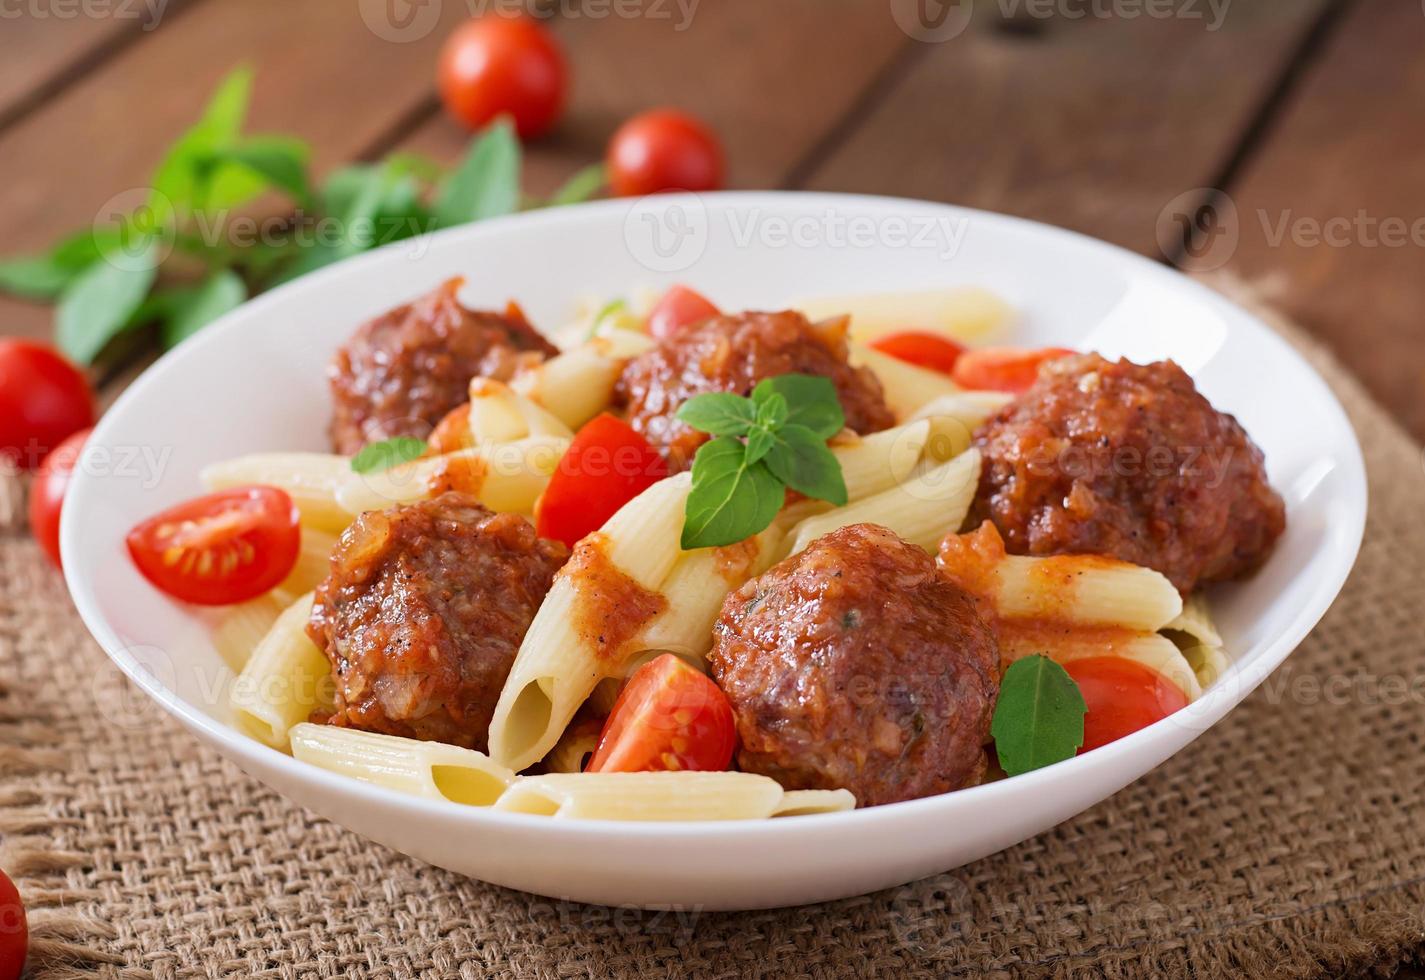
(379, 456)
(764, 445)
(1039, 719)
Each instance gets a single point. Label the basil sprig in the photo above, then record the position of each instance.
(764, 445)
(1039, 719)
(378, 456)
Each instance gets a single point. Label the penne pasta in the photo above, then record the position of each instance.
(313, 562)
(644, 796)
(801, 802)
(578, 384)
(498, 413)
(922, 510)
(1195, 622)
(310, 479)
(242, 627)
(908, 388)
(869, 465)
(956, 417)
(967, 313)
(432, 770)
(1208, 663)
(285, 680)
(574, 748)
(1087, 590)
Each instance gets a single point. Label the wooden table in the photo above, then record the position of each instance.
(1305, 114)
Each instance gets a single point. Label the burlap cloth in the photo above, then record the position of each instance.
(1287, 841)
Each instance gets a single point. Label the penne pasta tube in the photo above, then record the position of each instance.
(1208, 663)
(313, 562)
(869, 464)
(644, 796)
(954, 419)
(908, 388)
(310, 479)
(432, 770)
(1195, 622)
(801, 802)
(967, 313)
(1085, 589)
(500, 414)
(506, 477)
(285, 680)
(590, 622)
(242, 627)
(922, 510)
(574, 748)
(1066, 644)
(579, 383)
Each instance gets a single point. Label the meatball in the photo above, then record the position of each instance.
(400, 373)
(1127, 461)
(856, 665)
(733, 353)
(423, 612)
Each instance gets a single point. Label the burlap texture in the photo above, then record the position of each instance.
(1287, 841)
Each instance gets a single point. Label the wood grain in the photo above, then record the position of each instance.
(1332, 202)
(1093, 123)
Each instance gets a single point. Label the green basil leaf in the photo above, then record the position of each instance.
(192, 308)
(280, 160)
(99, 304)
(582, 186)
(1039, 719)
(380, 456)
(37, 277)
(759, 443)
(801, 460)
(718, 413)
(180, 184)
(487, 182)
(368, 190)
(730, 499)
(811, 401)
(773, 411)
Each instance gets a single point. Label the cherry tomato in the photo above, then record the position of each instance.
(1122, 696)
(47, 492)
(668, 716)
(606, 466)
(1011, 369)
(43, 399)
(14, 930)
(493, 66)
(922, 348)
(676, 309)
(664, 150)
(227, 547)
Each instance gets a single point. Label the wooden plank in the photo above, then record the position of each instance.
(1094, 123)
(1332, 202)
(322, 73)
(771, 78)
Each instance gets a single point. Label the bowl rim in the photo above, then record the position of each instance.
(246, 751)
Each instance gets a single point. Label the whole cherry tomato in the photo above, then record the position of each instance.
(1122, 696)
(606, 466)
(43, 399)
(227, 547)
(676, 309)
(669, 716)
(493, 66)
(14, 930)
(921, 348)
(664, 150)
(1010, 369)
(47, 492)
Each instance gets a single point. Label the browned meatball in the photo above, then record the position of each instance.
(856, 665)
(733, 353)
(1128, 461)
(423, 612)
(400, 373)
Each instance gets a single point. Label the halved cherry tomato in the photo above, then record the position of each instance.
(227, 547)
(669, 716)
(678, 308)
(43, 400)
(498, 65)
(47, 492)
(606, 466)
(922, 348)
(1011, 369)
(1122, 696)
(664, 150)
(14, 930)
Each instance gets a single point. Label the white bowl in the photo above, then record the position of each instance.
(254, 382)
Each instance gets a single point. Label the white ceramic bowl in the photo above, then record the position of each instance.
(255, 382)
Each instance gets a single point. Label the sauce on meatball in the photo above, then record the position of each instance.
(733, 353)
(1128, 461)
(856, 665)
(423, 612)
(400, 373)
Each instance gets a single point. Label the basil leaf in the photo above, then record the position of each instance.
(191, 309)
(773, 411)
(37, 277)
(380, 456)
(280, 160)
(487, 182)
(801, 460)
(98, 305)
(368, 188)
(1039, 719)
(180, 184)
(718, 413)
(760, 442)
(731, 499)
(582, 186)
(811, 400)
